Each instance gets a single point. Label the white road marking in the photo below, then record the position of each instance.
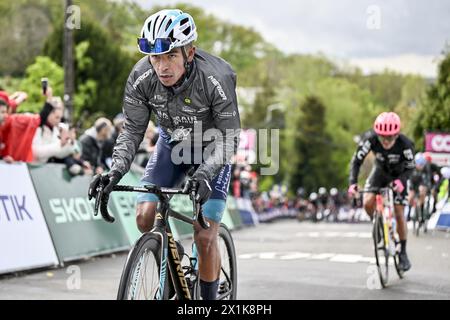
(347, 258)
(364, 235)
(332, 257)
(296, 255)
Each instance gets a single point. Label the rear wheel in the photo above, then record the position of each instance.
(381, 252)
(228, 270)
(428, 208)
(397, 260)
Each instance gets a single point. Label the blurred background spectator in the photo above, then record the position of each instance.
(52, 139)
(92, 145)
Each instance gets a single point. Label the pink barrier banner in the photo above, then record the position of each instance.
(437, 142)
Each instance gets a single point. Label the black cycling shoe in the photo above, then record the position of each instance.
(404, 263)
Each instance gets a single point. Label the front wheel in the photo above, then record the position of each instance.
(141, 275)
(381, 251)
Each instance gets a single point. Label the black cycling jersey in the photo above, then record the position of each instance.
(425, 177)
(396, 162)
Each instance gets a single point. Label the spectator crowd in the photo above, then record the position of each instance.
(48, 138)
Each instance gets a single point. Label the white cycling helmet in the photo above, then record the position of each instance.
(313, 196)
(445, 171)
(165, 30)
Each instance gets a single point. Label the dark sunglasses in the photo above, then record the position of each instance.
(160, 45)
(387, 138)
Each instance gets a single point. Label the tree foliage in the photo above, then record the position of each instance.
(434, 115)
(106, 64)
(311, 141)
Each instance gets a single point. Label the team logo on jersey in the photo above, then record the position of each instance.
(219, 87)
(180, 134)
(141, 78)
(188, 109)
(408, 154)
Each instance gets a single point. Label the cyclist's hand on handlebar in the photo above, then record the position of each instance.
(398, 186)
(109, 180)
(200, 184)
(353, 189)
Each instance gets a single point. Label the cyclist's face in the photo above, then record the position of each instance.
(170, 66)
(387, 141)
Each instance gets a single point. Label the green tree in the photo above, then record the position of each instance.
(25, 25)
(434, 115)
(42, 67)
(312, 168)
(258, 113)
(108, 66)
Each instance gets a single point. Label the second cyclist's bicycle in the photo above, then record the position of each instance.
(384, 233)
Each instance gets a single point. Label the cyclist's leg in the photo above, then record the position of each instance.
(411, 201)
(399, 203)
(375, 181)
(162, 172)
(206, 239)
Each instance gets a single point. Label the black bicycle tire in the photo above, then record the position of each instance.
(147, 240)
(377, 224)
(427, 213)
(225, 234)
(400, 272)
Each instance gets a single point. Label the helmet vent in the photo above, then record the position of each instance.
(187, 31)
(168, 24)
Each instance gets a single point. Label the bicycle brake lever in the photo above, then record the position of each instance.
(98, 198)
(102, 202)
(198, 214)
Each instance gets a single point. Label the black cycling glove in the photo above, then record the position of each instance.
(202, 187)
(109, 180)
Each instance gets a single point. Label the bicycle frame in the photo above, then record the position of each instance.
(162, 228)
(385, 207)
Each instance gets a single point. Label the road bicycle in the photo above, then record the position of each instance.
(153, 269)
(384, 233)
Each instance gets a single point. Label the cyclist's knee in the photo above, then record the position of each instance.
(205, 238)
(145, 214)
(369, 203)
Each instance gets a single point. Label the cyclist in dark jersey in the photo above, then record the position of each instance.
(425, 177)
(193, 95)
(394, 162)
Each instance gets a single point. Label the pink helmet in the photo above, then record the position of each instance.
(387, 124)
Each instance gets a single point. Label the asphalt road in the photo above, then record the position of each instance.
(284, 259)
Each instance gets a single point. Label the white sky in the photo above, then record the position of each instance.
(403, 35)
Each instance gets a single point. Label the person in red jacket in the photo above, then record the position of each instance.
(14, 100)
(16, 134)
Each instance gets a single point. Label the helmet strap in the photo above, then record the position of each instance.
(187, 65)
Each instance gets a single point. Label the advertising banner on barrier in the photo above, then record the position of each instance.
(70, 216)
(234, 212)
(443, 221)
(25, 241)
(248, 214)
(124, 204)
(437, 142)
